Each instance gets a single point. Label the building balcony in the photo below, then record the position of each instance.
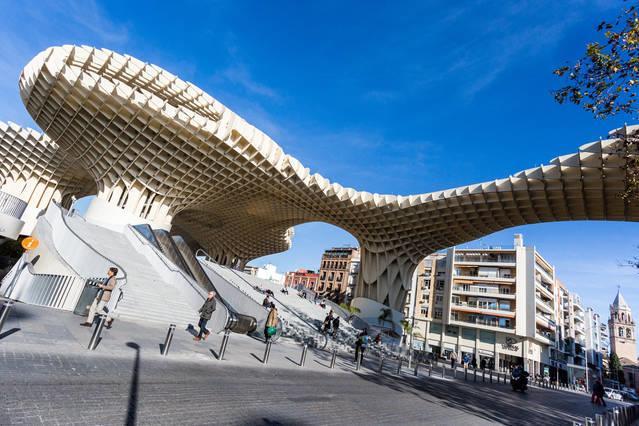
(545, 336)
(544, 321)
(497, 293)
(484, 324)
(477, 278)
(548, 276)
(544, 290)
(544, 306)
(474, 308)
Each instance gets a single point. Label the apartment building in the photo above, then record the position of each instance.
(338, 273)
(302, 278)
(569, 354)
(597, 344)
(503, 305)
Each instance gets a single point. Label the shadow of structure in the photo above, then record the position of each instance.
(266, 421)
(132, 409)
(471, 398)
(9, 333)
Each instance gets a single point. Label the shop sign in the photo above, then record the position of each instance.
(510, 344)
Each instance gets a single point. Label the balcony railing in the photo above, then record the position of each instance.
(487, 322)
(485, 290)
(491, 307)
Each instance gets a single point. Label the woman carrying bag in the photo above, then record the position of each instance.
(271, 323)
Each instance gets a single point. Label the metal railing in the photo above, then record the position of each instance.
(50, 290)
(12, 205)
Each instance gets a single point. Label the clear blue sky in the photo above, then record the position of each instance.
(390, 97)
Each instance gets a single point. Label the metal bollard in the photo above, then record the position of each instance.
(588, 421)
(599, 420)
(465, 373)
(491, 376)
(358, 363)
(168, 339)
(380, 367)
(416, 369)
(430, 369)
(474, 374)
(267, 352)
(303, 359)
(333, 357)
(399, 367)
(483, 375)
(443, 371)
(225, 342)
(97, 331)
(4, 314)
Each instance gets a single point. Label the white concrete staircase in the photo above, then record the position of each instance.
(302, 317)
(147, 297)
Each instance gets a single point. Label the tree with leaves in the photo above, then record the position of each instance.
(616, 369)
(604, 82)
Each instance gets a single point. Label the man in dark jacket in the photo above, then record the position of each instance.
(206, 311)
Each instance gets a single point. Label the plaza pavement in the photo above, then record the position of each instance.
(48, 377)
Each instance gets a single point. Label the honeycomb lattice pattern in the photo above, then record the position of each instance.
(164, 150)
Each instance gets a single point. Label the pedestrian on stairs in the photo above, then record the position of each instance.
(102, 298)
(206, 311)
(270, 328)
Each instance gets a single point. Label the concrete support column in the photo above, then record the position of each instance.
(385, 277)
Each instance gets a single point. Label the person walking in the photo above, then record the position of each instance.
(598, 393)
(335, 326)
(453, 359)
(270, 327)
(266, 302)
(327, 322)
(361, 344)
(482, 364)
(206, 311)
(473, 362)
(102, 298)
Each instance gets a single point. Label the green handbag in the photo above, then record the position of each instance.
(271, 331)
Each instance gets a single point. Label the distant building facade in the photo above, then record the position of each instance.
(504, 306)
(338, 273)
(265, 272)
(302, 278)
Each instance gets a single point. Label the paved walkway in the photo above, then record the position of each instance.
(49, 377)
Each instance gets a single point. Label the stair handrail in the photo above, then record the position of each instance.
(123, 278)
(167, 262)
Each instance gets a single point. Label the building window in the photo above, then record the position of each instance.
(628, 333)
(438, 314)
(487, 336)
(469, 333)
(620, 332)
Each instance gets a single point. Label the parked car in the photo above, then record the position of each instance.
(613, 394)
(629, 396)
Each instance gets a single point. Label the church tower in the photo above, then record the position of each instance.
(622, 329)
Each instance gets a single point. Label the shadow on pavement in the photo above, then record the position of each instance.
(514, 408)
(257, 358)
(294, 362)
(9, 333)
(132, 409)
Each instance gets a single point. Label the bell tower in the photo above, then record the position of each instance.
(622, 329)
